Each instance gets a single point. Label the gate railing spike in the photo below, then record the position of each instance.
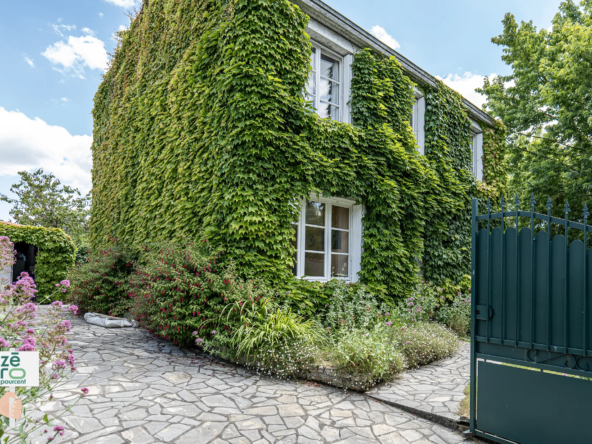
(549, 204)
(585, 214)
(566, 208)
(532, 202)
(488, 205)
(503, 203)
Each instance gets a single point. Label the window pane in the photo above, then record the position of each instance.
(314, 264)
(311, 87)
(329, 68)
(313, 59)
(328, 110)
(314, 239)
(339, 241)
(339, 265)
(340, 217)
(315, 213)
(329, 91)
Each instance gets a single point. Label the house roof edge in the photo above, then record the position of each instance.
(331, 18)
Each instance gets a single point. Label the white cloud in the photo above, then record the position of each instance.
(101, 14)
(122, 28)
(64, 100)
(466, 85)
(380, 33)
(28, 144)
(123, 3)
(88, 31)
(79, 52)
(30, 62)
(59, 28)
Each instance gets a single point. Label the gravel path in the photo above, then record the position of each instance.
(144, 390)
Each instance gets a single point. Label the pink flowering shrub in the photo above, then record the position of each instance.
(25, 328)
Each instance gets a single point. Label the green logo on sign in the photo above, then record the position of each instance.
(11, 366)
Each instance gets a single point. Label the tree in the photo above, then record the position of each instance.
(546, 105)
(43, 201)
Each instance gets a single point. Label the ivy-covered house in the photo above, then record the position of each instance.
(290, 138)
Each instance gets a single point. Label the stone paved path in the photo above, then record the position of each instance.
(144, 390)
(435, 389)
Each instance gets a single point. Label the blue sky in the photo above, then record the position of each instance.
(55, 52)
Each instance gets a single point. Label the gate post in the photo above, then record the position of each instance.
(473, 388)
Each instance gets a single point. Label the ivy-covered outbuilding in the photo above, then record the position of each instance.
(45, 253)
(290, 138)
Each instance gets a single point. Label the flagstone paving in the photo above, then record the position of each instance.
(435, 389)
(144, 390)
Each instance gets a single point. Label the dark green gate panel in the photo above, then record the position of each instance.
(541, 278)
(532, 407)
(532, 309)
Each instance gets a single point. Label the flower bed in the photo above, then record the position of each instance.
(190, 295)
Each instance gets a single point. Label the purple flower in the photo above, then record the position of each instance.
(387, 314)
(3, 343)
(73, 309)
(198, 341)
(66, 325)
(30, 331)
(26, 348)
(459, 293)
(84, 390)
(213, 332)
(194, 333)
(58, 428)
(403, 328)
(389, 323)
(65, 283)
(58, 363)
(57, 303)
(410, 304)
(408, 342)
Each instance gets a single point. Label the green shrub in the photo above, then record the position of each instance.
(269, 339)
(423, 342)
(178, 289)
(366, 355)
(352, 306)
(101, 285)
(457, 315)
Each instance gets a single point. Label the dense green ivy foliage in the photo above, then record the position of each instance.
(201, 125)
(57, 253)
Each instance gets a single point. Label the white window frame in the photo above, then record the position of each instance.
(477, 150)
(355, 238)
(320, 49)
(418, 120)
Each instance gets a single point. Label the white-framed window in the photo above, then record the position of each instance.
(324, 88)
(418, 120)
(477, 150)
(328, 239)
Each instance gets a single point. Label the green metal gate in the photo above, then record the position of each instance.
(531, 335)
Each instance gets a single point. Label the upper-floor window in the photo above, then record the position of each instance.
(418, 120)
(324, 85)
(477, 152)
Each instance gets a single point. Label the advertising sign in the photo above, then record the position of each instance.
(19, 369)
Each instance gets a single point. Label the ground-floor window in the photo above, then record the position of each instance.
(328, 240)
